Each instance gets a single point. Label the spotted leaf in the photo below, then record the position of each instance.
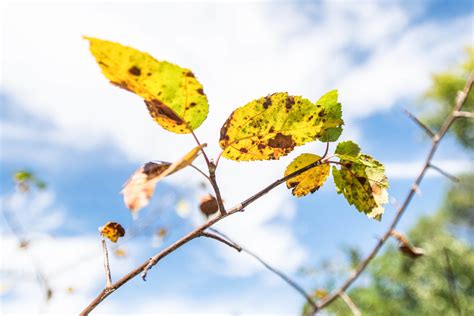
(173, 96)
(112, 231)
(271, 127)
(310, 180)
(362, 181)
(138, 190)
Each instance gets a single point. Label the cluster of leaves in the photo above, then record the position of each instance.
(264, 129)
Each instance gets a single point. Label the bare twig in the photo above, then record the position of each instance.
(108, 277)
(212, 177)
(425, 128)
(451, 277)
(283, 276)
(436, 138)
(148, 264)
(222, 240)
(353, 307)
(464, 114)
(444, 173)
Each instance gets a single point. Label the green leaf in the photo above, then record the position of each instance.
(173, 96)
(310, 180)
(348, 148)
(271, 127)
(362, 181)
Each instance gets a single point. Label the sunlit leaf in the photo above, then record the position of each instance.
(310, 180)
(112, 231)
(272, 126)
(174, 97)
(138, 190)
(208, 205)
(362, 180)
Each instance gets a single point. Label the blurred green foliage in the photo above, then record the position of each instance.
(443, 94)
(442, 281)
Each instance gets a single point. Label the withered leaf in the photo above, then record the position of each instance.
(112, 230)
(138, 190)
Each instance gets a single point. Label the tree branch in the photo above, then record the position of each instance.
(436, 139)
(464, 114)
(425, 128)
(222, 240)
(212, 177)
(282, 276)
(353, 307)
(444, 173)
(148, 264)
(108, 277)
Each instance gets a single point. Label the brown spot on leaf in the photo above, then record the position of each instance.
(152, 169)
(224, 128)
(200, 91)
(192, 104)
(159, 109)
(267, 102)
(281, 141)
(189, 74)
(122, 84)
(321, 113)
(135, 71)
(289, 102)
(261, 146)
(243, 150)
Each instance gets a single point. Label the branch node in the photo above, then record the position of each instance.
(465, 114)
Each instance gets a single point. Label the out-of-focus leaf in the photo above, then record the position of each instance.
(120, 253)
(173, 96)
(183, 209)
(405, 247)
(362, 180)
(138, 190)
(272, 126)
(310, 180)
(112, 231)
(208, 205)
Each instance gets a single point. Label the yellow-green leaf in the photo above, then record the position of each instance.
(270, 127)
(138, 190)
(112, 231)
(310, 180)
(363, 182)
(174, 97)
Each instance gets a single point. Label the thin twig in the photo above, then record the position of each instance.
(464, 114)
(212, 177)
(444, 173)
(108, 277)
(353, 307)
(451, 277)
(420, 124)
(222, 240)
(435, 143)
(283, 276)
(148, 264)
(200, 171)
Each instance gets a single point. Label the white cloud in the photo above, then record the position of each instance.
(239, 51)
(411, 169)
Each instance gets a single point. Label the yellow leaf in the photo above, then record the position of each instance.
(138, 190)
(310, 180)
(112, 231)
(272, 126)
(174, 97)
(120, 253)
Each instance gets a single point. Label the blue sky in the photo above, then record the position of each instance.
(61, 119)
